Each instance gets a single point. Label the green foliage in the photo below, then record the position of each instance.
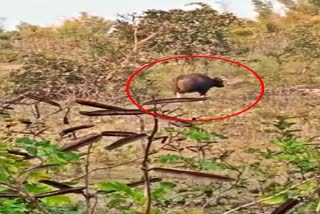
(299, 155)
(14, 206)
(18, 206)
(21, 177)
(295, 158)
(161, 192)
(122, 196)
(291, 150)
(201, 135)
(197, 134)
(202, 140)
(46, 151)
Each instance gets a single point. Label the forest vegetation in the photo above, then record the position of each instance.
(72, 142)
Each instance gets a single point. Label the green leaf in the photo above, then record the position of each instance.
(14, 206)
(56, 159)
(196, 135)
(44, 144)
(25, 141)
(137, 195)
(276, 200)
(69, 156)
(57, 200)
(4, 177)
(13, 169)
(32, 151)
(3, 147)
(36, 188)
(38, 175)
(113, 186)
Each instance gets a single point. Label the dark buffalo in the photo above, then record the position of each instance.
(196, 82)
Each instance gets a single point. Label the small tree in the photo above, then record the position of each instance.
(197, 31)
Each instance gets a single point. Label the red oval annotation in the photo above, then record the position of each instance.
(194, 56)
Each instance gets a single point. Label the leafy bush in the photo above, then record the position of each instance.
(27, 165)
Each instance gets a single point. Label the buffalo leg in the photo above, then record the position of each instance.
(202, 95)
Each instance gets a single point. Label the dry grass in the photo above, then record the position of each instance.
(293, 95)
(244, 131)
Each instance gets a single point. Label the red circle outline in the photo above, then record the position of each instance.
(194, 56)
